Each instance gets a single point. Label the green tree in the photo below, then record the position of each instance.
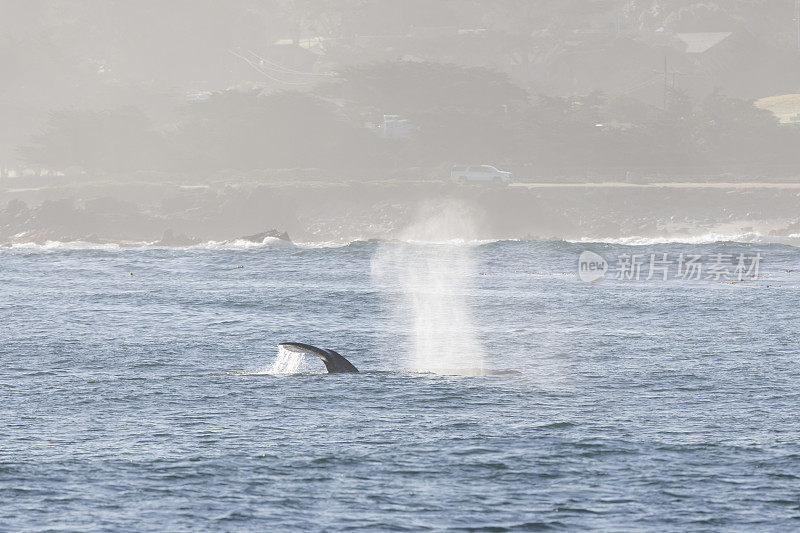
(404, 87)
(249, 130)
(118, 140)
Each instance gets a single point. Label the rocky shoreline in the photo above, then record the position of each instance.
(175, 215)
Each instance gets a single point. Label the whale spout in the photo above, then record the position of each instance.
(335, 363)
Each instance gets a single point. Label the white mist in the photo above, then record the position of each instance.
(429, 274)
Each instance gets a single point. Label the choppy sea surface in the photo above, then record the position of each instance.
(135, 392)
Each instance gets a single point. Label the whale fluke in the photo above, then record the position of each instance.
(335, 363)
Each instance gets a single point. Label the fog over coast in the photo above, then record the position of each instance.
(195, 121)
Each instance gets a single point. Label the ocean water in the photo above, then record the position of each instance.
(137, 390)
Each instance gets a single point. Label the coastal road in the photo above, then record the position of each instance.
(671, 185)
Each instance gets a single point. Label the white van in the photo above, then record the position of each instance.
(479, 173)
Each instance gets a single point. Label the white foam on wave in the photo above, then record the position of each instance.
(241, 244)
(273, 242)
(706, 238)
(70, 245)
(236, 244)
(326, 244)
(451, 242)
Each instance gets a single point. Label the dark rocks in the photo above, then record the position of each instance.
(273, 233)
(170, 239)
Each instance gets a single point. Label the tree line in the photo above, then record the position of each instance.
(455, 114)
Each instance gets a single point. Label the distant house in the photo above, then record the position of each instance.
(785, 107)
(394, 127)
(293, 54)
(315, 45)
(698, 43)
(742, 64)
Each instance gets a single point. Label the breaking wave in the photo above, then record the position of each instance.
(272, 242)
(70, 245)
(706, 238)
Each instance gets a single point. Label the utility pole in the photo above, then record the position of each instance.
(666, 83)
(797, 21)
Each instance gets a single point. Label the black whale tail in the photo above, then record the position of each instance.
(335, 363)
